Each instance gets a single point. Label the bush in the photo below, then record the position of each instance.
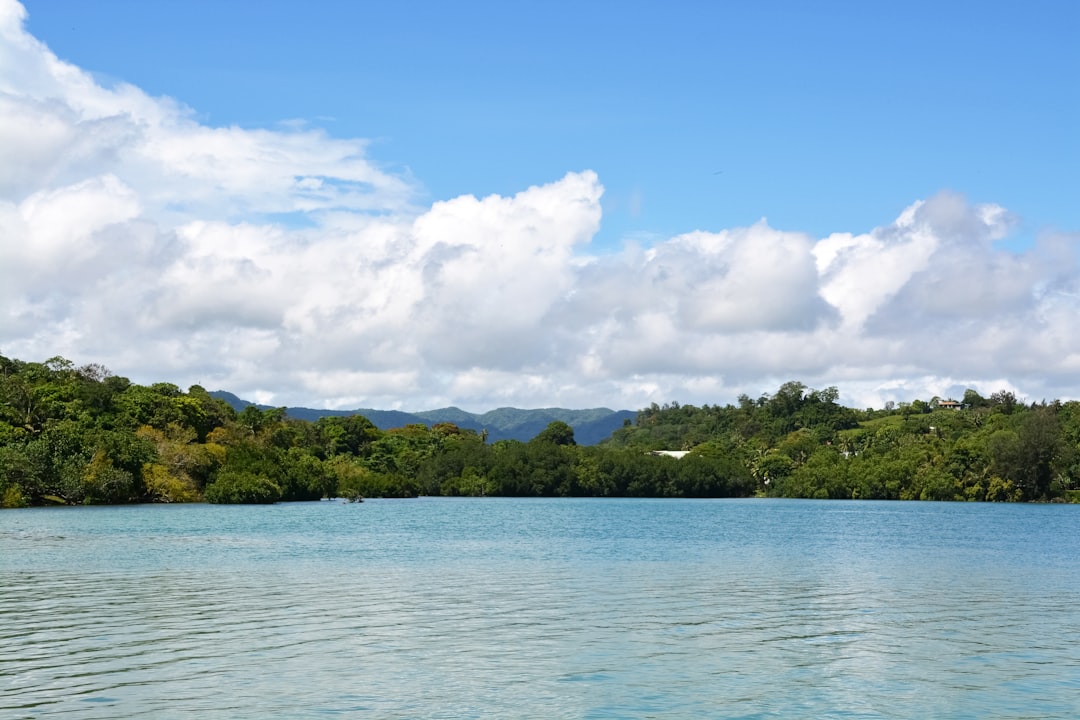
(242, 488)
(163, 486)
(13, 497)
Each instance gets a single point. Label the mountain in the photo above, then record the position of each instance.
(590, 426)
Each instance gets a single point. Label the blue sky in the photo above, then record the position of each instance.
(822, 117)
(421, 204)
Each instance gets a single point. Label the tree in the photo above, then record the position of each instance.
(1039, 448)
(239, 488)
(973, 399)
(1004, 401)
(557, 433)
(305, 478)
(352, 435)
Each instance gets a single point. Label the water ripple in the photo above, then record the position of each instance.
(553, 609)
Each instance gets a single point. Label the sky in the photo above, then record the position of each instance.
(482, 204)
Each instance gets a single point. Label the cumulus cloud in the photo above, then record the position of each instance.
(135, 236)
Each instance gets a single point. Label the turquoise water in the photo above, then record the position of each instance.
(470, 608)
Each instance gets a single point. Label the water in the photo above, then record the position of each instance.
(469, 608)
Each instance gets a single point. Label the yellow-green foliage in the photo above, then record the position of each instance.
(103, 482)
(1002, 491)
(13, 498)
(188, 463)
(163, 486)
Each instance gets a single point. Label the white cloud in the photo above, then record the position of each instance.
(60, 126)
(134, 236)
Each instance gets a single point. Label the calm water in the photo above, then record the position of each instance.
(454, 608)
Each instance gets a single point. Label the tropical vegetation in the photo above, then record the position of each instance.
(81, 435)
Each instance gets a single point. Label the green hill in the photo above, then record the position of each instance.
(591, 426)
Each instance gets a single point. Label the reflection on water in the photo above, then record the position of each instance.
(447, 608)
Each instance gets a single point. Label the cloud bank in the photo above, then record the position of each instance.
(286, 266)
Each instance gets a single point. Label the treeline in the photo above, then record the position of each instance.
(80, 435)
(801, 443)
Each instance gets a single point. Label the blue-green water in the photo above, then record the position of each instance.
(470, 608)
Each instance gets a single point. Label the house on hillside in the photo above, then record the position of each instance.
(949, 405)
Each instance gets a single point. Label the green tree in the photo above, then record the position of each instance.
(973, 400)
(352, 435)
(557, 433)
(243, 488)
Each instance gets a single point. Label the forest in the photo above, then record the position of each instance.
(81, 435)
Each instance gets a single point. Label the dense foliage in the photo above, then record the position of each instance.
(77, 435)
(801, 443)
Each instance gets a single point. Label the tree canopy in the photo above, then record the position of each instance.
(80, 435)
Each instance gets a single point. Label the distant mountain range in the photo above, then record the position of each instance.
(590, 426)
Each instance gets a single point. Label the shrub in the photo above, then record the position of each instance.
(239, 488)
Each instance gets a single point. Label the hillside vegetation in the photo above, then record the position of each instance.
(80, 435)
(800, 443)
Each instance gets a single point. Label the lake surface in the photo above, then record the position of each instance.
(470, 608)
